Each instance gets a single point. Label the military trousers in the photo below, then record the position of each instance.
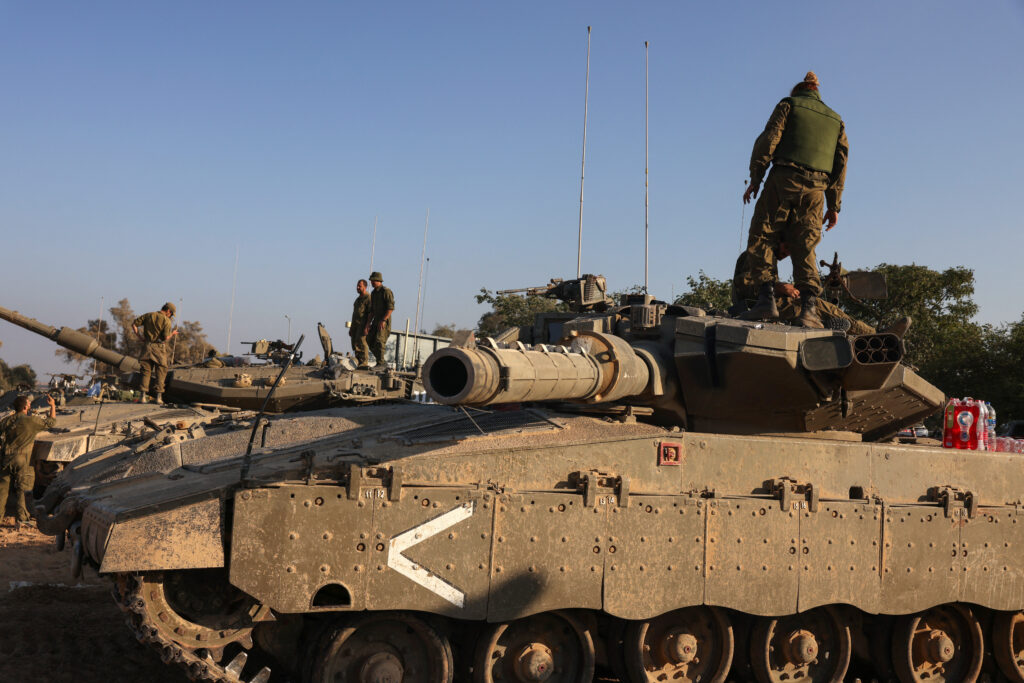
(16, 479)
(789, 310)
(359, 347)
(158, 373)
(378, 339)
(791, 209)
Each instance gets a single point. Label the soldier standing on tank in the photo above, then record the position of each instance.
(156, 331)
(16, 473)
(357, 329)
(805, 143)
(378, 327)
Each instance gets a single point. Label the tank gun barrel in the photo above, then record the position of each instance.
(76, 341)
(596, 368)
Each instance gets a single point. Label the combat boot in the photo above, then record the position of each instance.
(765, 308)
(144, 399)
(900, 327)
(159, 399)
(809, 317)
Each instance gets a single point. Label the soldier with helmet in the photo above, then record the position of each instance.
(378, 327)
(805, 144)
(155, 330)
(17, 434)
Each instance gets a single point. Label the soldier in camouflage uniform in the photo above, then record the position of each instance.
(360, 316)
(212, 361)
(156, 331)
(16, 473)
(805, 143)
(787, 297)
(378, 328)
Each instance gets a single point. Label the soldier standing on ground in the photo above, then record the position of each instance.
(16, 473)
(378, 328)
(156, 332)
(357, 329)
(805, 143)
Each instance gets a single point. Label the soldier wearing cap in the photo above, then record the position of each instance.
(360, 316)
(805, 144)
(155, 330)
(378, 327)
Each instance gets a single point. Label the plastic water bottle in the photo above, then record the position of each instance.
(949, 424)
(991, 426)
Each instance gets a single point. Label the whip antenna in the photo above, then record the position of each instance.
(647, 206)
(419, 291)
(583, 164)
(231, 311)
(373, 242)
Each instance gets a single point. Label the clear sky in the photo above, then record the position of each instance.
(141, 143)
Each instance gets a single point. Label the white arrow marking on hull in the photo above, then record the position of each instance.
(414, 572)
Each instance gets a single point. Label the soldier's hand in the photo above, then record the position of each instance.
(831, 218)
(749, 193)
(49, 400)
(786, 289)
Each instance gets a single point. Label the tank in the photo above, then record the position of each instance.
(335, 381)
(641, 490)
(201, 394)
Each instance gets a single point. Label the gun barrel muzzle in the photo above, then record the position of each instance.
(596, 368)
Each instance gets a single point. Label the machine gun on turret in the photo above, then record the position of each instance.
(857, 285)
(588, 293)
(275, 352)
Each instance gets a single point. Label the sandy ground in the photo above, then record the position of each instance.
(53, 628)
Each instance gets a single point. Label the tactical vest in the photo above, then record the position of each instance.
(811, 133)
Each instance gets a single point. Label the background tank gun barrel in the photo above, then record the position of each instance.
(76, 341)
(596, 368)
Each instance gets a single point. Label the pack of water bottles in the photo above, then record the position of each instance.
(970, 423)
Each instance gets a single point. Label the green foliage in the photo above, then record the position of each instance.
(706, 292)
(442, 330)
(19, 374)
(509, 310)
(620, 297)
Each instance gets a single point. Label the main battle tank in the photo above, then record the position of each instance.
(337, 381)
(666, 494)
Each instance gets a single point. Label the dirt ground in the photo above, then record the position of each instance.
(53, 628)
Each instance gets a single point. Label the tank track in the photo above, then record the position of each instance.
(198, 663)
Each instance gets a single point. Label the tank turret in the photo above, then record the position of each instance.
(689, 369)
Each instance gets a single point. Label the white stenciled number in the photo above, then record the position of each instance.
(409, 569)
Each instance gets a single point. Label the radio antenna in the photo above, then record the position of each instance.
(373, 242)
(583, 164)
(419, 291)
(647, 204)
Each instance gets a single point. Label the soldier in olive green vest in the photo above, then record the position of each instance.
(805, 143)
(18, 437)
(360, 317)
(378, 328)
(154, 329)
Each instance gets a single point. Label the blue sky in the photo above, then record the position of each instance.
(143, 142)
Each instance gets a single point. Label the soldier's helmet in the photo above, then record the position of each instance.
(375, 276)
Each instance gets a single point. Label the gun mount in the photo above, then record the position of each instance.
(587, 293)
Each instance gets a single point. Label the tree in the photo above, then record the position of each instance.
(706, 292)
(442, 330)
(509, 310)
(190, 345)
(19, 374)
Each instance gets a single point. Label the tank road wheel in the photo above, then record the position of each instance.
(551, 647)
(690, 644)
(943, 643)
(1008, 644)
(383, 647)
(814, 646)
